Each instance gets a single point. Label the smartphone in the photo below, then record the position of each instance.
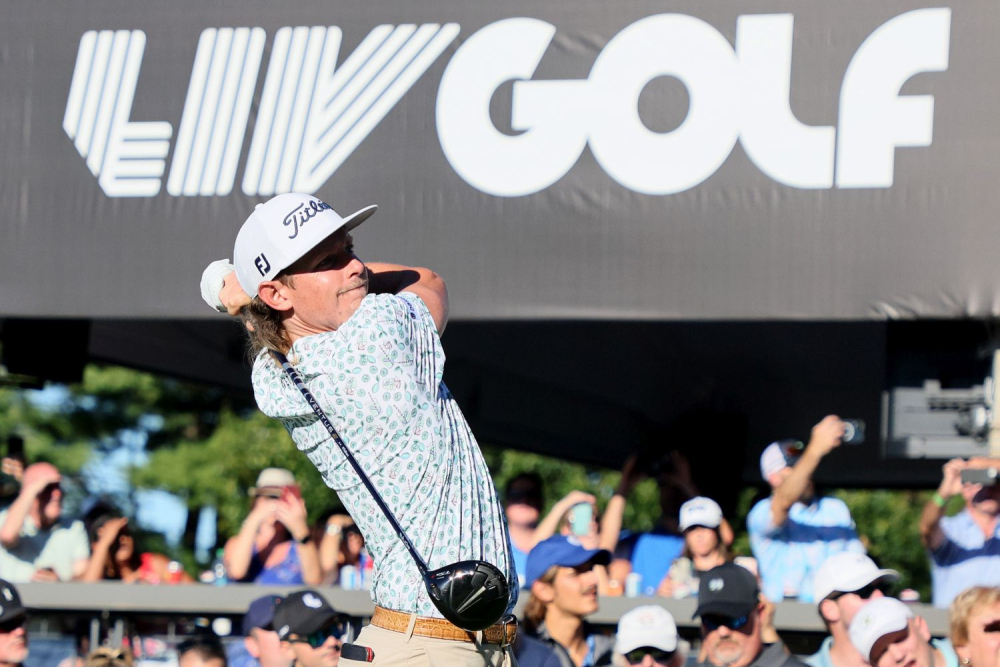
(15, 448)
(854, 432)
(580, 518)
(293, 489)
(984, 476)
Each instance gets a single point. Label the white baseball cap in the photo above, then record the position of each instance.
(700, 511)
(847, 572)
(283, 229)
(779, 455)
(875, 620)
(650, 626)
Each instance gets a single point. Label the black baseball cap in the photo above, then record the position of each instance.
(302, 613)
(10, 603)
(260, 614)
(727, 590)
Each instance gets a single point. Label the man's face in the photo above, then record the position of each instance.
(986, 499)
(265, 646)
(731, 642)
(327, 286)
(909, 647)
(846, 605)
(575, 590)
(13, 642)
(321, 648)
(524, 503)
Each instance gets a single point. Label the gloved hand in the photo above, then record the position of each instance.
(212, 280)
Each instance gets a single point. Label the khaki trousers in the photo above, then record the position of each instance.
(403, 649)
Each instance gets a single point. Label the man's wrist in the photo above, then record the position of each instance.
(333, 530)
(939, 499)
(304, 538)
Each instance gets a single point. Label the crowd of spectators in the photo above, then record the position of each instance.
(805, 547)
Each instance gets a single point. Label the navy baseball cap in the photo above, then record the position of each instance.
(10, 603)
(302, 613)
(727, 590)
(563, 551)
(260, 614)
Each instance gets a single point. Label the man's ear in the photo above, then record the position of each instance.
(287, 650)
(829, 611)
(543, 591)
(921, 627)
(251, 645)
(274, 294)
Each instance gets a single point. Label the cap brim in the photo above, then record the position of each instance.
(313, 623)
(668, 644)
(860, 582)
(724, 608)
(597, 556)
(356, 218)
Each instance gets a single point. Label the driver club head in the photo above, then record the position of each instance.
(472, 594)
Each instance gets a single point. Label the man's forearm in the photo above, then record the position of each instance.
(795, 485)
(930, 524)
(386, 278)
(10, 533)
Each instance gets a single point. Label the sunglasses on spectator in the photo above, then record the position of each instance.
(716, 622)
(864, 593)
(13, 624)
(337, 629)
(636, 656)
(524, 496)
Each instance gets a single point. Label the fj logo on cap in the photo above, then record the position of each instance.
(716, 585)
(7, 594)
(312, 601)
(262, 264)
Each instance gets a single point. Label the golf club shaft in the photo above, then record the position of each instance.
(301, 386)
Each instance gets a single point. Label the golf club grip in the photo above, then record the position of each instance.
(301, 386)
(357, 653)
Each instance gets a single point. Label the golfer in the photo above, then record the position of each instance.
(366, 341)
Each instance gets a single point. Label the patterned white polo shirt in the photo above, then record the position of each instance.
(379, 379)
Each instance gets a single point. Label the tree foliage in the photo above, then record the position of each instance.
(208, 449)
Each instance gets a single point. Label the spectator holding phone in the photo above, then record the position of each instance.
(965, 548)
(274, 545)
(794, 530)
(115, 558)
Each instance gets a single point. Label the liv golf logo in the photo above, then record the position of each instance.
(313, 114)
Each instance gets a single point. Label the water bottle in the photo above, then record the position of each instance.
(219, 577)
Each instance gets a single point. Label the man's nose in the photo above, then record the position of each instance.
(724, 631)
(876, 594)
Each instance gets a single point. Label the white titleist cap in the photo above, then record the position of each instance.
(875, 620)
(700, 511)
(280, 231)
(650, 626)
(845, 573)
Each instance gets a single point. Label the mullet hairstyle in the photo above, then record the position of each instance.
(534, 610)
(264, 325)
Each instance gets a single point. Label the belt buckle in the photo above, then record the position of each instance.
(507, 621)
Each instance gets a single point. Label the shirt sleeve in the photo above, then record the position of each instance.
(759, 521)
(416, 335)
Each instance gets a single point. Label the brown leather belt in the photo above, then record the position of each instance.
(502, 633)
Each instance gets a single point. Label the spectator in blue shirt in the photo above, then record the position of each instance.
(965, 548)
(794, 530)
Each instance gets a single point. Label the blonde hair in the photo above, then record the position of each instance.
(534, 610)
(264, 325)
(965, 605)
(109, 657)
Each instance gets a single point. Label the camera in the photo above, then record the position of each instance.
(983, 476)
(854, 432)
